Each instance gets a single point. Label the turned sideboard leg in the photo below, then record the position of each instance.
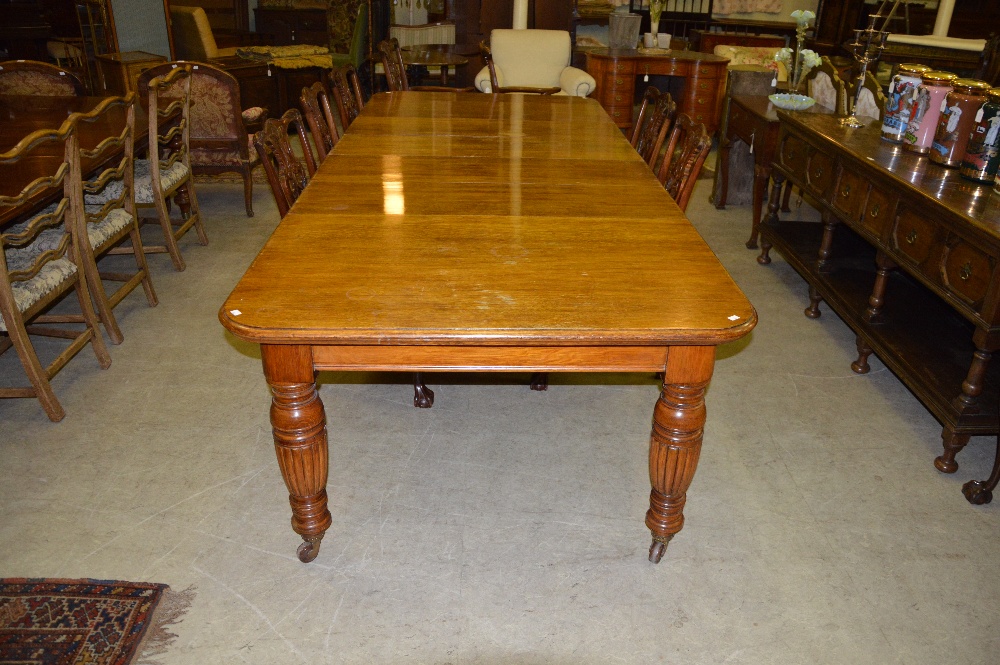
(299, 425)
(675, 442)
(772, 218)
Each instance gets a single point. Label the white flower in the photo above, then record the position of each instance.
(803, 16)
(810, 59)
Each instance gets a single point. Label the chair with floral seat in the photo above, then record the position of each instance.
(109, 225)
(40, 261)
(28, 77)
(220, 139)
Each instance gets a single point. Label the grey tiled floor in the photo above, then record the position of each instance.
(504, 525)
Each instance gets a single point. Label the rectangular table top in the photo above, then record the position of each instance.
(471, 219)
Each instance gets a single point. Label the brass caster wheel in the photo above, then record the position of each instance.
(308, 550)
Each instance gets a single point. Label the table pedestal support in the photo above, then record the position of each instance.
(300, 443)
(675, 442)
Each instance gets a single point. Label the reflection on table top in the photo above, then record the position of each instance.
(471, 219)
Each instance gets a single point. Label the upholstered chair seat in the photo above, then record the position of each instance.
(537, 59)
(169, 179)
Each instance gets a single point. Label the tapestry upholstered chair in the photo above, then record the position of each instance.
(346, 91)
(193, 38)
(109, 225)
(165, 175)
(27, 77)
(40, 262)
(532, 61)
(652, 124)
(395, 71)
(220, 141)
(823, 83)
(685, 154)
(318, 114)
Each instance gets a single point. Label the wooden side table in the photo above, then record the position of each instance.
(117, 72)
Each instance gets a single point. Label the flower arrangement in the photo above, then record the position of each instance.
(799, 62)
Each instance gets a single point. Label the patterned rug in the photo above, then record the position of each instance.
(85, 622)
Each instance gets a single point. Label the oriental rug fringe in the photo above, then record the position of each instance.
(92, 622)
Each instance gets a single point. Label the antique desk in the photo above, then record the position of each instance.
(754, 120)
(476, 233)
(615, 71)
(908, 256)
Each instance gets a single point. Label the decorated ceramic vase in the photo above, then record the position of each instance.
(982, 155)
(958, 117)
(925, 110)
(900, 99)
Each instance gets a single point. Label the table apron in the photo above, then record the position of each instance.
(491, 358)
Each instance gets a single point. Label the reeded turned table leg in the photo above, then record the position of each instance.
(299, 425)
(675, 442)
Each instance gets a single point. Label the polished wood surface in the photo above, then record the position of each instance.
(478, 233)
(703, 76)
(916, 273)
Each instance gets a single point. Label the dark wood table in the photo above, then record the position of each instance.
(703, 77)
(754, 120)
(485, 233)
(908, 256)
(431, 55)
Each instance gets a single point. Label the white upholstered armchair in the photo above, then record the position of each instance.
(532, 61)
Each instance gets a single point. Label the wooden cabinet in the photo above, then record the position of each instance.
(293, 26)
(223, 15)
(908, 256)
(117, 72)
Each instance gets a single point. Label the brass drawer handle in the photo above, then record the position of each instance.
(819, 172)
(618, 98)
(617, 113)
(619, 81)
(846, 191)
(791, 155)
(699, 117)
(703, 86)
(875, 210)
(700, 102)
(911, 237)
(966, 272)
(703, 70)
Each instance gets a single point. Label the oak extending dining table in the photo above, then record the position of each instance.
(485, 233)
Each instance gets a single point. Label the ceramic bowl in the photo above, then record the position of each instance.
(791, 102)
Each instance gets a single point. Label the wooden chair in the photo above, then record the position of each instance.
(823, 83)
(288, 177)
(395, 71)
(871, 104)
(28, 77)
(219, 136)
(102, 228)
(316, 109)
(285, 173)
(347, 91)
(40, 262)
(167, 174)
(652, 124)
(686, 151)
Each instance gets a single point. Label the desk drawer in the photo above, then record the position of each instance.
(915, 238)
(821, 172)
(744, 125)
(878, 212)
(794, 154)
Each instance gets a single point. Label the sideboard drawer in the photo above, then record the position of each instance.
(794, 153)
(967, 271)
(914, 237)
(821, 172)
(851, 192)
(878, 212)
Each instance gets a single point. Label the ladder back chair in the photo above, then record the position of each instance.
(166, 175)
(652, 124)
(347, 91)
(318, 114)
(103, 227)
(40, 260)
(28, 77)
(686, 151)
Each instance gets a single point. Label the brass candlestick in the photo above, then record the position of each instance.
(867, 49)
